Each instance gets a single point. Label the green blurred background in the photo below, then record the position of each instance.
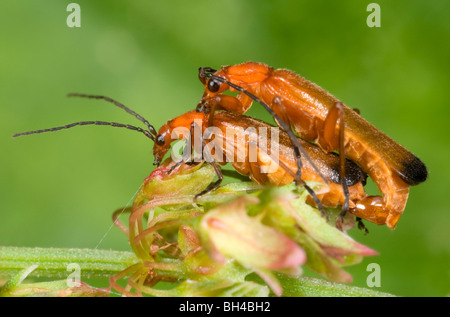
(60, 189)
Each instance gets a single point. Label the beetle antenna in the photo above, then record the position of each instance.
(81, 123)
(120, 105)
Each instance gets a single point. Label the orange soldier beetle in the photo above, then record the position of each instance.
(317, 116)
(326, 163)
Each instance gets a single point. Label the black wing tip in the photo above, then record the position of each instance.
(414, 172)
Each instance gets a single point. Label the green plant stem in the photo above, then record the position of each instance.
(313, 287)
(54, 263)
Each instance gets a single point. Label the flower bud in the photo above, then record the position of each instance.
(171, 180)
(228, 232)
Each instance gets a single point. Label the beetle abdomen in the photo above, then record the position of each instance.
(414, 171)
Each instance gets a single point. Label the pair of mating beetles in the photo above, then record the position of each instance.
(332, 143)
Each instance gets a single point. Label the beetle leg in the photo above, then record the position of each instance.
(245, 103)
(297, 179)
(214, 185)
(282, 120)
(342, 173)
(231, 103)
(183, 159)
(174, 167)
(361, 225)
(330, 141)
(280, 110)
(191, 143)
(218, 171)
(238, 104)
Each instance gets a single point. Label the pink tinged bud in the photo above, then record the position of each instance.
(333, 241)
(327, 248)
(231, 233)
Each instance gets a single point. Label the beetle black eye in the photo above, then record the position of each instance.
(213, 85)
(160, 140)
